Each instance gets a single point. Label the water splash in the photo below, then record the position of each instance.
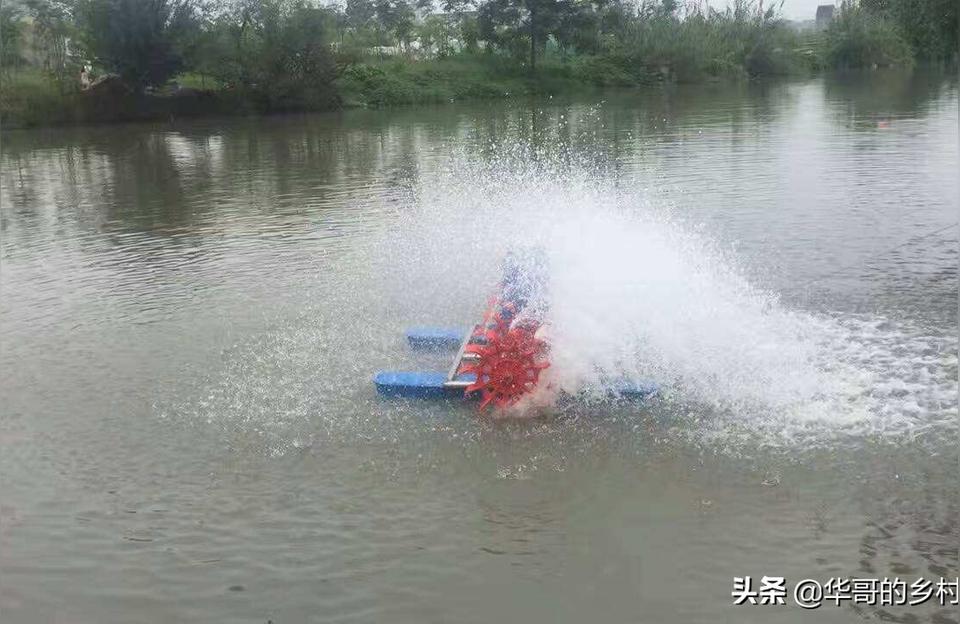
(638, 292)
(635, 291)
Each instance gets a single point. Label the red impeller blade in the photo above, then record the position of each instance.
(508, 367)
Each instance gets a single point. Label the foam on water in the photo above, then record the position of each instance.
(635, 291)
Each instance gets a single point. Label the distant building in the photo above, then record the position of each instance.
(824, 15)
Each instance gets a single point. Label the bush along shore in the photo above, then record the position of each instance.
(74, 61)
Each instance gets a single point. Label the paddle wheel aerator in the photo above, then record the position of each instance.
(500, 360)
(507, 366)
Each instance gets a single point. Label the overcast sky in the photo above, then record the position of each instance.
(792, 9)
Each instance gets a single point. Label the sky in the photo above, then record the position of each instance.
(792, 9)
(799, 10)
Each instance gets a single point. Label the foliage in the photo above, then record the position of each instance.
(859, 38)
(394, 17)
(11, 36)
(436, 34)
(274, 54)
(35, 36)
(31, 97)
(609, 71)
(280, 55)
(453, 78)
(136, 39)
(360, 13)
(523, 26)
(929, 26)
(708, 44)
(198, 81)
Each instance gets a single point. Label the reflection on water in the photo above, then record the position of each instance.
(191, 313)
(876, 96)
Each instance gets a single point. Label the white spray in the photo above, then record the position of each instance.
(634, 293)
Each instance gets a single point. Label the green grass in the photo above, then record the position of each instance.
(699, 48)
(200, 82)
(30, 98)
(481, 76)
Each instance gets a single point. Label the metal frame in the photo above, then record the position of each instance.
(451, 381)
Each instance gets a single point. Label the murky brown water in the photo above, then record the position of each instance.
(191, 315)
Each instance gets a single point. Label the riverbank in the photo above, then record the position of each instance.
(397, 82)
(485, 76)
(66, 67)
(31, 99)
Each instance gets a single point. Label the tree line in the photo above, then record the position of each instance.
(287, 54)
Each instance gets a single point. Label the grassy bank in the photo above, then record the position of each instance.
(690, 54)
(463, 77)
(285, 63)
(265, 56)
(32, 98)
(718, 46)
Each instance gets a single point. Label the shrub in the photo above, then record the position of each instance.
(605, 71)
(135, 39)
(857, 38)
(29, 98)
(731, 44)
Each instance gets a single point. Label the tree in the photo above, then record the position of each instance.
(136, 39)
(456, 7)
(11, 36)
(469, 32)
(929, 26)
(359, 13)
(276, 52)
(508, 22)
(395, 17)
(577, 26)
(402, 23)
(857, 38)
(435, 33)
(52, 27)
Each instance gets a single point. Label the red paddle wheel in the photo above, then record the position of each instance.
(508, 365)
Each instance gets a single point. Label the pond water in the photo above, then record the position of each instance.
(192, 313)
